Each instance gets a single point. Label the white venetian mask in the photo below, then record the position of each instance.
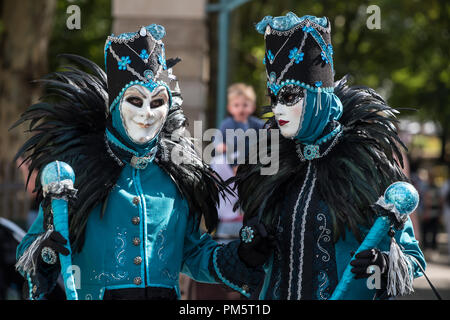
(144, 112)
(289, 108)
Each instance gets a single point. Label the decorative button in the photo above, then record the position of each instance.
(136, 200)
(137, 281)
(137, 260)
(136, 241)
(136, 220)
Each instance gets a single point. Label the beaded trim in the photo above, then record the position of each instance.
(150, 31)
(291, 21)
(276, 88)
(328, 51)
(30, 287)
(313, 151)
(247, 234)
(111, 153)
(330, 135)
(301, 25)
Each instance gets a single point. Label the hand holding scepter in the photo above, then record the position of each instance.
(57, 181)
(399, 201)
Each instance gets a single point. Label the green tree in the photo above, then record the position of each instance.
(89, 40)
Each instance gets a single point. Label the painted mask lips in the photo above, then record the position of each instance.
(143, 125)
(282, 122)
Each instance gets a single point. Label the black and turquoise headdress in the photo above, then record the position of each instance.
(298, 51)
(136, 58)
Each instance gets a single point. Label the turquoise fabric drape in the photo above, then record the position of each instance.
(317, 114)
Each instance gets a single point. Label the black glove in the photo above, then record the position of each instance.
(49, 250)
(367, 258)
(46, 258)
(256, 244)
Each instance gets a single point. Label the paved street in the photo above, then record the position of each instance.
(438, 271)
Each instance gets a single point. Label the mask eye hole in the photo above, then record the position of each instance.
(289, 98)
(291, 95)
(156, 103)
(135, 101)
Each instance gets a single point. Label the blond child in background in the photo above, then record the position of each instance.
(241, 105)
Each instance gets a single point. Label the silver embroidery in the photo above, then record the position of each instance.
(302, 239)
(119, 248)
(120, 257)
(323, 285)
(160, 242)
(291, 255)
(286, 68)
(324, 236)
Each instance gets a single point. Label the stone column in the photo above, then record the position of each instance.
(186, 37)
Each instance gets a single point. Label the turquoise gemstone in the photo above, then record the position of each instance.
(403, 196)
(57, 171)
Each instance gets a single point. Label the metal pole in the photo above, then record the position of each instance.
(224, 8)
(222, 76)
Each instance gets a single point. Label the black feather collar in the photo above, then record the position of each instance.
(350, 177)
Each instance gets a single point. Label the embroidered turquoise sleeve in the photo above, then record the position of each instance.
(197, 251)
(410, 247)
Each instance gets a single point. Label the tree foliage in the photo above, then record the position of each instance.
(89, 40)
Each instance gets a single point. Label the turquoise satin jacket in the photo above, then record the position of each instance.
(145, 238)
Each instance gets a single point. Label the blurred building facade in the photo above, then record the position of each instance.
(186, 37)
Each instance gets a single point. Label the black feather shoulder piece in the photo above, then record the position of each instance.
(198, 183)
(350, 178)
(68, 124)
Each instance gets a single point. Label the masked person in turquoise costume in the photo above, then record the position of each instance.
(338, 152)
(141, 187)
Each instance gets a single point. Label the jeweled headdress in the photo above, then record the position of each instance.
(298, 51)
(136, 58)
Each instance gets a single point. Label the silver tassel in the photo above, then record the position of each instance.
(400, 280)
(27, 263)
